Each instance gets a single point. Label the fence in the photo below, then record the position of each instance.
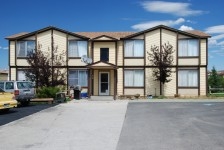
(216, 90)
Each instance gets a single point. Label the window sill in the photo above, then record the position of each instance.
(22, 57)
(187, 87)
(134, 57)
(74, 57)
(134, 87)
(188, 57)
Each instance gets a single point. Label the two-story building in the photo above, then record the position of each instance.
(120, 64)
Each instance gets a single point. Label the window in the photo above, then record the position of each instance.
(134, 48)
(134, 78)
(21, 75)
(24, 47)
(188, 78)
(104, 54)
(9, 85)
(188, 47)
(78, 77)
(77, 48)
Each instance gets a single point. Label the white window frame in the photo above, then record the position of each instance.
(78, 49)
(78, 78)
(187, 50)
(133, 79)
(26, 47)
(188, 78)
(131, 49)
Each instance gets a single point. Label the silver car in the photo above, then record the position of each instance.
(23, 90)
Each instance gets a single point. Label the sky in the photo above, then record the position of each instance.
(114, 15)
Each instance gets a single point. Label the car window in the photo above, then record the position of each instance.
(9, 85)
(24, 85)
(2, 85)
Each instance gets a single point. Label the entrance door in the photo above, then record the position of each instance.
(104, 83)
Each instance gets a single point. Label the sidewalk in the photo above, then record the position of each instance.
(77, 125)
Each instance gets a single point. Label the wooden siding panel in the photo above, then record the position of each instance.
(111, 82)
(13, 74)
(95, 84)
(133, 91)
(60, 42)
(134, 62)
(44, 39)
(203, 52)
(76, 62)
(188, 92)
(171, 38)
(152, 87)
(188, 61)
(120, 81)
(170, 87)
(120, 53)
(151, 38)
(110, 45)
(22, 62)
(12, 53)
(203, 81)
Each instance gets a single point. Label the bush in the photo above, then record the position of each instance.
(47, 92)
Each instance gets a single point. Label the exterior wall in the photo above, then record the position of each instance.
(95, 82)
(13, 73)
(152, 87)
(3, 76)
(120, 53)
(188, 92)
(120, 81)
(203, 51)
(151, 38)
(75, 62)
(133, 91)
(171, 38)
(134, 62)
(12, 52)
(110, 45)
(44, 39)
(188, 61)
(111, 84)
(170, 87)
(60, 41)
(22, 62)
(203, 87)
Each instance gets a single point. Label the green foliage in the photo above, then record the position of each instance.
(215, 80)
(47, 92)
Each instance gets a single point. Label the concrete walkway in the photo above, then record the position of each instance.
(75, 125)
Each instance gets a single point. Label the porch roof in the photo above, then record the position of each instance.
(102, 65)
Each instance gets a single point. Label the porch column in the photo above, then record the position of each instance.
(115, 83)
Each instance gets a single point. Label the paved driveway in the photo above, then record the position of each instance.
(173, 126)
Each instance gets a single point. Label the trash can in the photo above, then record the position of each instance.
(77, 92)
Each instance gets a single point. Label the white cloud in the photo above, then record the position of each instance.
(174, 8)
(6, 48)
(215, 29)
(150, 24)
(184, 28)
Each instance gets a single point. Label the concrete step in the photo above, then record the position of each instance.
(102, 98)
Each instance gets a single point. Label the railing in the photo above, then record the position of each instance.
(216, 90)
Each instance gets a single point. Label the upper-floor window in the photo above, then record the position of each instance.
(188, 47)
(24, 47)
(188, 78)
(134, 78)
(77, 48)
(104, 54)
(134, 48)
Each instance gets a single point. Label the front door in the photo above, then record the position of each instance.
(104, 83)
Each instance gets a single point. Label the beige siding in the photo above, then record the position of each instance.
(89, 50)
(171, 38)
(22, 62)
(134, 91)
(101, 64)
(13, 74)
(152, 87)
(188, 92)
(60, 42)
(203, 81)
(96, 84)
(120, 53)
(170, 87)
(76, 62)
(189, 61)
(110, 45)
(111, 82)
(12, 53)
(134, 62)
(203, 52)
(44, 39)
(151, 38)
(120, 81)
(103, 38)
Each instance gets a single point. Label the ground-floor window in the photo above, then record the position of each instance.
(78, 77)
(21, 75)
(134, 78)
(188, 78)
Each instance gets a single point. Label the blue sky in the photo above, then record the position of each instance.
(114, 15)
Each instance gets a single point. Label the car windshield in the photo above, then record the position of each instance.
(2, 85)
(24, 85)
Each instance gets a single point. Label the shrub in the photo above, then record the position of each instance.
(47, 92)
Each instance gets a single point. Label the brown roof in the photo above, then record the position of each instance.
(4, 71)
(116, 35)
(198, 33)
(16, 35)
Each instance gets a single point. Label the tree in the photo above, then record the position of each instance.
(215, 80)
(46, 67)
(162, 61)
